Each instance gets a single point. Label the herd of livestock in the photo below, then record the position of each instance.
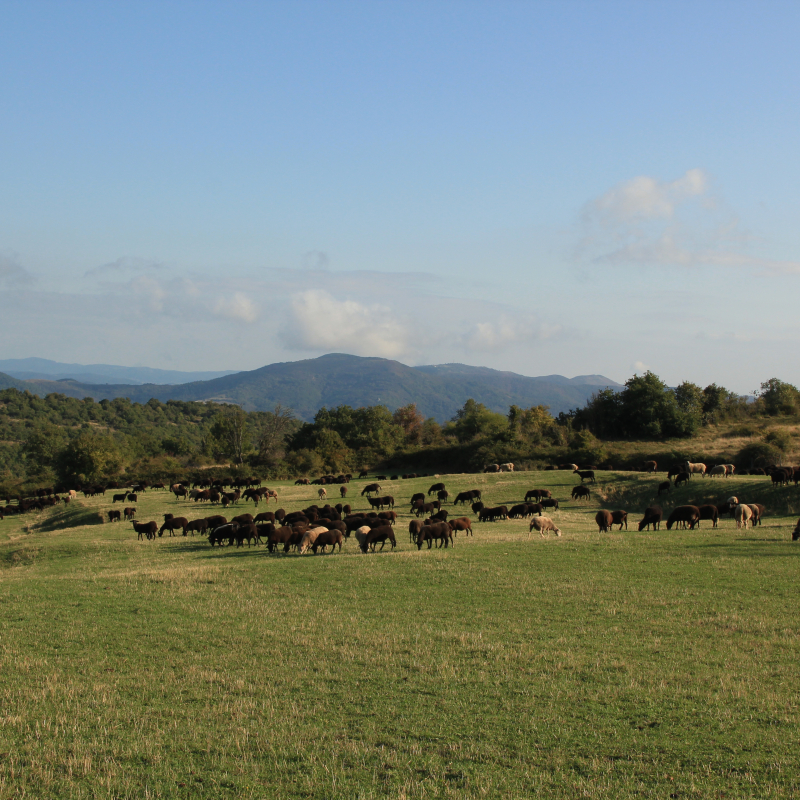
(319, 527)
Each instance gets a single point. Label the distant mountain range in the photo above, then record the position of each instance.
(44, 369)
(337, 379)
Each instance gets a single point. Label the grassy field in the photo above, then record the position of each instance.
(660, 664)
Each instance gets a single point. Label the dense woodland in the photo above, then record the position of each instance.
(59, 440)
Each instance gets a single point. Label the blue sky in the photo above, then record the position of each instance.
(571, 187)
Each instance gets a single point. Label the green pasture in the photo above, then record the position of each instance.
(655, 664)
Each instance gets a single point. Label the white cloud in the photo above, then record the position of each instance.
(639, 367)
(644, 197)
(12, 273)
(238, 307)
(645, 221)
(318, 321)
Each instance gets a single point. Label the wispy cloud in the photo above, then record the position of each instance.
(505, 332)
(12, 273)
(124, 267)
(644, 221)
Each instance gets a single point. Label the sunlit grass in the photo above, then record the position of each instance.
(623, 665)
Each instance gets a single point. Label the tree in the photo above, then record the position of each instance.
(778, 397)
(230, 430)
(278, 424)
(88, 457)
(410, 420)
(474, 419)
(42, 447)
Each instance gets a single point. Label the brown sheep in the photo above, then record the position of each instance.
(604, 520)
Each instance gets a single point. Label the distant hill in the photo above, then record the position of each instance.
(44, 369)
(337, 379)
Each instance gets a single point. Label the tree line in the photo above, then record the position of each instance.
(62, 440)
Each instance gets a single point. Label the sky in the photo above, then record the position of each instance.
(543, 187)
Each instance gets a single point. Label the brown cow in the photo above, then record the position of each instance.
(604, 521)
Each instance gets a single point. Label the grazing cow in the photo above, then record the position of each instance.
(533, 494)
(129, 512)
(476, 507)
(132, 498)
(264, 516)
(708, 511)
(796, 532)
(694, 469)
(390, 516)
(343, 492)
(580, 493)
(492, 468)
(681, 477)
(147, 528)
(619, 518)
(674, 470)
(742, 513)
(179, 491)
(172, 524)
(664, 486)
(509, 467)
(243, 519)
(417, 497)
(535, 508)
(199, 525)
(440, 532)
(121, 497)
(113, 516)
(586, 475)
(370, 489)
(363, 473)
(323, 493)
(367, 541)
(301, 482)
(730, 469)
(683, 516)
(467, 497)
(570, 467)
(719, 471)
(442, 495)
(762, 510)
(437, 487)
(414, 527)
(652, 516)
(543, 524)
(650, 466)
(604, 520)
(549, 502)
(462, 524)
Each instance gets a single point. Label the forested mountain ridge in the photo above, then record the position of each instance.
(338, 379)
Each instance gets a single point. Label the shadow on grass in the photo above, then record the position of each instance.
(73, 515)
(749, 547)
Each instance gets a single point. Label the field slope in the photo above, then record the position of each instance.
(653, 664)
